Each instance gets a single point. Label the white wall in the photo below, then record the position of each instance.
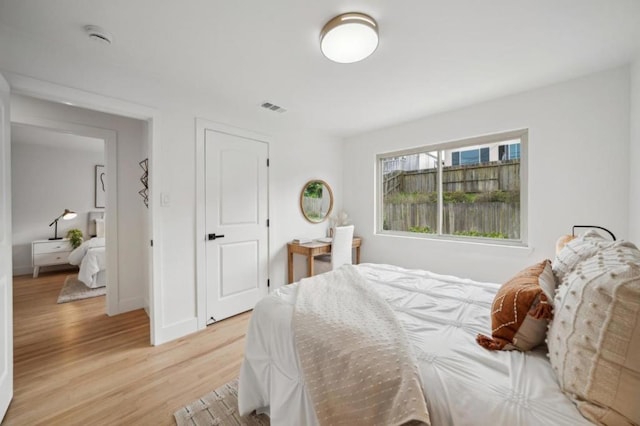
(45, 181)
(578, 172)
(132, 214)
(299, 159)
(634, 156)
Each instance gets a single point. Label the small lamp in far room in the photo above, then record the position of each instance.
(66, 215)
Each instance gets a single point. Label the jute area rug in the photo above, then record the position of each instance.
(76, 290)
(219, 408)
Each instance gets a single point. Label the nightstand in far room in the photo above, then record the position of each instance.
(49, 253)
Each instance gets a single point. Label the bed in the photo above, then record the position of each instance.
(90, 256)
(463, 383)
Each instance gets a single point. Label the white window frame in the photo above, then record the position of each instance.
(521, 134)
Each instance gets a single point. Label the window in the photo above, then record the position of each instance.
(514, 151)
(464, 189)
(509, 152)
(470, 156)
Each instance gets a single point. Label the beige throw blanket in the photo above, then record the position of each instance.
(355, 357)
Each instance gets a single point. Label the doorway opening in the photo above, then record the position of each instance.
(58, 177)
(93, 189)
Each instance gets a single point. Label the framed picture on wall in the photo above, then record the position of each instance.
(101, 186)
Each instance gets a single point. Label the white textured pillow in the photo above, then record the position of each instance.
(99, 227)
(576, 251)
(594, 339)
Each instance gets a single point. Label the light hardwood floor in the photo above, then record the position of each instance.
(73, 365)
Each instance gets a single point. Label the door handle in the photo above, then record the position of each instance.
(214, 236)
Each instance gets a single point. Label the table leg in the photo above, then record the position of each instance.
(290, 267)
(357, 255)
(310, 265)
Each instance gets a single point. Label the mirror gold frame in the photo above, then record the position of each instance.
(315, 214)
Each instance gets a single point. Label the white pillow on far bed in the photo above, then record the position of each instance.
(99, 227)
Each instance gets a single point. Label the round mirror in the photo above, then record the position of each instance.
(316, 201)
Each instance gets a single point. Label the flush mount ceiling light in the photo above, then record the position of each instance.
(349, 37)
(98, 34)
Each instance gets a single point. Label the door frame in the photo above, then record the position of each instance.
(45, 90)
(203, 125)
(111, 210)
(6, 241)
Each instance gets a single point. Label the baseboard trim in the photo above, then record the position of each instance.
(28, 270)
(177, 330)
(132, 304)
(22, 270)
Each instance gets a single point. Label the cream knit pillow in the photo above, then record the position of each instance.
(594, 339)
(576, 251)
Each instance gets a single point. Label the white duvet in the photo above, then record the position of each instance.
(464, 383)
(91, 258)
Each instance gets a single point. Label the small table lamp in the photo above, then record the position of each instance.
(563, 240)
(573, 230)
(66, 215)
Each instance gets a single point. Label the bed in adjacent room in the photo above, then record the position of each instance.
(90, 256)
(444, 319)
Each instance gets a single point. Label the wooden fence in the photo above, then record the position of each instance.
(503, 176)
(481, 217)
(490, 217)
(313, 207)
(393, 182)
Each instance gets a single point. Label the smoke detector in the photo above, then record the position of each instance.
(98, 34)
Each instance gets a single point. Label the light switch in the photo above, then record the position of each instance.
(165, 199)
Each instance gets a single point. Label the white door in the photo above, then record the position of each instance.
(236, 214)
(6, 280)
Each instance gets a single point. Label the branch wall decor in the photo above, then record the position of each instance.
(144, 192)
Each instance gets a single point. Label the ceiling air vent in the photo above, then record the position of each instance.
(273, 107)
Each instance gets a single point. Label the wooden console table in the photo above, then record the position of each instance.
(313, 249)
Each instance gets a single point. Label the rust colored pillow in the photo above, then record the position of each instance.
(521, 309)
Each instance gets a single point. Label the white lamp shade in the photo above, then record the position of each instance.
(68, 214)
(349, 38)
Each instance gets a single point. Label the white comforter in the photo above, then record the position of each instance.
(464, 383)
(91, 258)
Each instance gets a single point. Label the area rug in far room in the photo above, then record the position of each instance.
(219, 407)
(76, 290)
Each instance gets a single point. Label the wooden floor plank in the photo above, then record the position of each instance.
(74, 365)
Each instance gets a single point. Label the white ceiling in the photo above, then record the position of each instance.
(433, 55)
(46, 137)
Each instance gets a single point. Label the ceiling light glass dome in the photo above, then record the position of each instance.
(348, 38)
